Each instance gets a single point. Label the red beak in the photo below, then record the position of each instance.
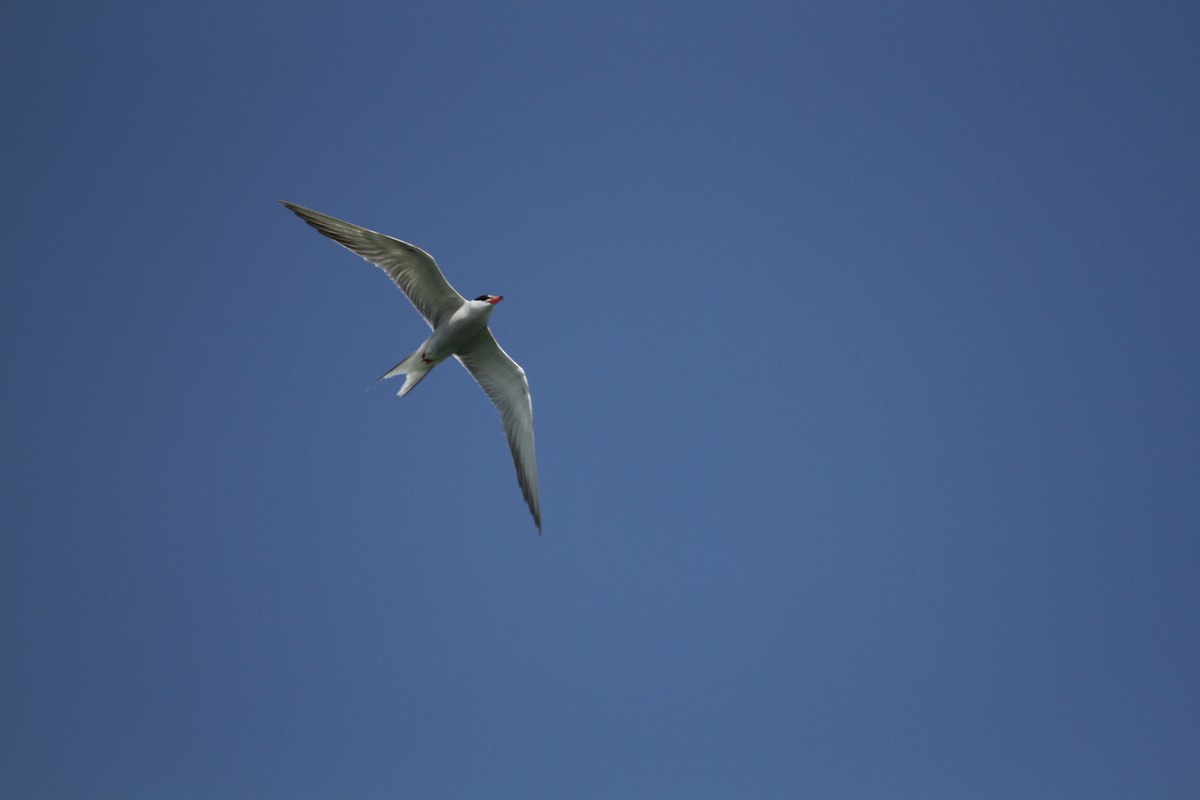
(495, 300)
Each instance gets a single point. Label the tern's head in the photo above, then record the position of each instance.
(490, 298)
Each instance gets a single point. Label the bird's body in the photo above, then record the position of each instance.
(453, 337)
(460, 329)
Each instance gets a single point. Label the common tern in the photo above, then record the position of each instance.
(459, 329)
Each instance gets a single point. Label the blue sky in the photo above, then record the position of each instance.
(862, 344)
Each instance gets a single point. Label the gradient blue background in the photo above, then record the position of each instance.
(863, 347)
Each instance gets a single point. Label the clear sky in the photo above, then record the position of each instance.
(862, 340)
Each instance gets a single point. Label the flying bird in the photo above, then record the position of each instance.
(460, 329)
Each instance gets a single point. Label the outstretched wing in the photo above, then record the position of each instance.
(412, 269)
(505, 383)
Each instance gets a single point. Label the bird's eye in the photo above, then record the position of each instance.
(484, 297)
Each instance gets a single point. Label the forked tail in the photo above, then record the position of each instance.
(414, 368)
